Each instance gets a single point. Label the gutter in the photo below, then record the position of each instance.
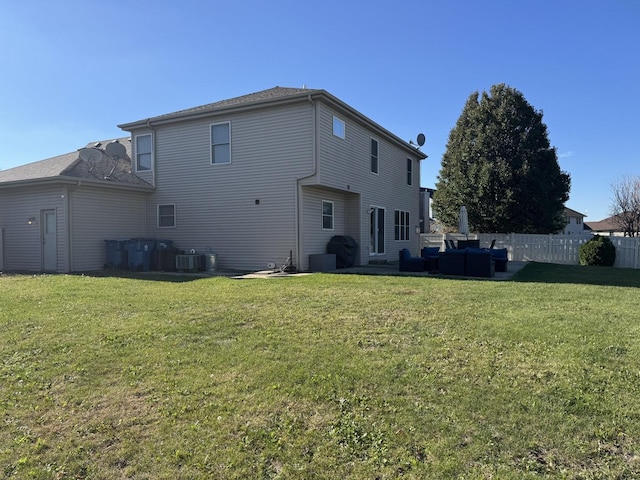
(61, 179)
(153, 151)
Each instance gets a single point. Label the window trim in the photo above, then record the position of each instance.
(409, 172)
(211, 144)
(151, 153)
(332, 216)
(376, 156)
(174, 216)
(343, 125)
(402, 226)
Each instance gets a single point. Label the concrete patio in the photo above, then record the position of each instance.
(377, 269)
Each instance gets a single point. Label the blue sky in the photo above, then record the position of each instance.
(73, 70)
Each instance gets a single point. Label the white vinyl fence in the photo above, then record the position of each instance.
(542, 248)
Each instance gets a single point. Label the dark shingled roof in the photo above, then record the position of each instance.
(265, 98)
(572, 213)
(70, 165)
(608, 224)
(252, 98)
(270, 94)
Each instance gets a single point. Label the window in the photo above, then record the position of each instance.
(327, 215)
(338, 127)
(220, 143)
(402, 225)
(166, 216)
(143, 152)
(409, 171)
(374, 156)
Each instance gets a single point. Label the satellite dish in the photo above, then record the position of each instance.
(421, 138)
(90, 155)
(116, 150)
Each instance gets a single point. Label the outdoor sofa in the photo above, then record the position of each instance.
(473, 262)
(430, 255)
(500, 258)
(407, 263)
(479, 262)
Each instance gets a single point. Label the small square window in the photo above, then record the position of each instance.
(327, 215)
(338, 127)
(166, 216)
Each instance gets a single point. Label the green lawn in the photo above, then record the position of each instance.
(321, 377)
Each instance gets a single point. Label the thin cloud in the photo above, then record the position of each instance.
(566, 155)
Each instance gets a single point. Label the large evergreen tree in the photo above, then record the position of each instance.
(500, 165)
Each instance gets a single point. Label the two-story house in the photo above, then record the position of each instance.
(252, 179)
(574, 223)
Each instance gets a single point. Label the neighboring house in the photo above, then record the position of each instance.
(574, 222)
(55, 214)
(607, 226)
(251, 179)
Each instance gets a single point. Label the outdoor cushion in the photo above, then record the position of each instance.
(407, 263)
(429, 251)
(500, 258)
(430, 255)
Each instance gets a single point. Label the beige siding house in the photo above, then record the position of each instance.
(283, 170)
(250, 179)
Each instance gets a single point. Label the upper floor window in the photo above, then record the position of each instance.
(401, 225)
(409, 171)
(338, 127)
(327, 215)
(167, 215)
(144, 152)
(221, 143)
(374, 156)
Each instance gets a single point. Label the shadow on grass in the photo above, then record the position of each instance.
(172, 277)
(578, 274)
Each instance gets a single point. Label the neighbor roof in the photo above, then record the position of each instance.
(71, 166)
(608, 224)
(572, 213)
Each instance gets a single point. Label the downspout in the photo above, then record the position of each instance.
(314, 141)
(66, 193)
(153, 172)
(153, 150)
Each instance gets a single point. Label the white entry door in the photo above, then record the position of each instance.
(49, 241)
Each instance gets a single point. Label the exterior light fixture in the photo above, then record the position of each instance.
(31, 220)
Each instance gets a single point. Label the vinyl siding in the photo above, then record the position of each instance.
(216, 208)
(22, 242)
(344, 164)
(315, 239)
(100, 214)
